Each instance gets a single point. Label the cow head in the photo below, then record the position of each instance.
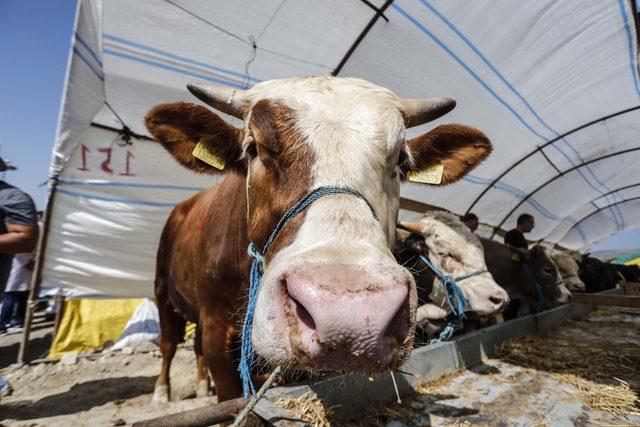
(546, 273)
(332, 295)
(568, 270)
(597, 275)
(456, 251)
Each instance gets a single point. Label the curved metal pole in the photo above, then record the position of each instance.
(597, 159)
(516, 164)
(615, 191)
(599, 210)
(362, 35)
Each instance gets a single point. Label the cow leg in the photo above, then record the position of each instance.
(217, 348)
(171, 328)
(202, 378)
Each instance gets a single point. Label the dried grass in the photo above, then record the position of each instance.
(308, 408)
(604, 372)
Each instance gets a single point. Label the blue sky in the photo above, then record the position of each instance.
(34, 41)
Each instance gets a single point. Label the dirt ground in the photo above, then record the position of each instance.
(116, 388)
(113, 389)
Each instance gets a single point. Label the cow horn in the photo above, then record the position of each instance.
(420, 111)
(412, 226)
(225, 99)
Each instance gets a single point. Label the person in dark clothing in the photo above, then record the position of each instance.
(18, 231)
(471, 221)
(515, 238)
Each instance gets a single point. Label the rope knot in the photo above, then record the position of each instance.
(255, 253)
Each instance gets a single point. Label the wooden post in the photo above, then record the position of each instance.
(206, 416)
(36, 278)
(60, 302)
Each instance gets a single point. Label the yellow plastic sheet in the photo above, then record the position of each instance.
(88, 323)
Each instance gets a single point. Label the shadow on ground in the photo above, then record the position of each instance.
(81, 397)
(37, 347)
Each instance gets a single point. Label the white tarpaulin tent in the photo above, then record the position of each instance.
(554, 84)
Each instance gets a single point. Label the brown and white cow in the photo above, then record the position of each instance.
(332, 295)
(521, 279)
(456, 252)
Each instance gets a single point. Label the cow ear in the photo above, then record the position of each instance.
(445, 154)
(181, 127)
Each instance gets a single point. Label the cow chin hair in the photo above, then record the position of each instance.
(290, 371)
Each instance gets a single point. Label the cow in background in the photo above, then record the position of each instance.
(455, 251)
(597, 275)
(520, 285)
(332, 296)
(569, 270)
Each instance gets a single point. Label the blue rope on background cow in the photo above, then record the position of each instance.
(257, 269)
(453, 295)
(537, 289)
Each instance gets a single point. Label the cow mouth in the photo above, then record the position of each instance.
(352, 351)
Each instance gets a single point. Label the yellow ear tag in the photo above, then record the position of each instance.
(204, 153)
(430, 175)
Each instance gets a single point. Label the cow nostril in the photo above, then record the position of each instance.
(496, 301)
(398, 327)
(304, 316)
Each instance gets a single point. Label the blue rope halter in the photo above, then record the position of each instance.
(537, 289)
(453, 296)
(246, 349)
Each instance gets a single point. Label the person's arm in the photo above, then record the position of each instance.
(18, 238)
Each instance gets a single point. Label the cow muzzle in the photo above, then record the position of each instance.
(343, 318)
(485, 296)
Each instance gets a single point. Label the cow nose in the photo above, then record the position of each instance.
(347, 319)
(499, 302)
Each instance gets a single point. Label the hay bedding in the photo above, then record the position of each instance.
(600, 359)
(308, 408)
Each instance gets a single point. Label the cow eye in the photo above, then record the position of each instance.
(252, 150)
(249, 146)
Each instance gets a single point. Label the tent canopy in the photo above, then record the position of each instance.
(554, 84)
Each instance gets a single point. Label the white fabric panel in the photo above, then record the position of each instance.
(570, 191)
(83, 93)
(106, 224)
(522, 72)
(602, 224)
(614, 134)
(532, 78)
(150, 61)
(513, 187)
(623, 194)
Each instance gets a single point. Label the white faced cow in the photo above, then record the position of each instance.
(456, 252)
(332, 295)
(569, 270)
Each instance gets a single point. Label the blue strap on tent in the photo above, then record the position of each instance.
(246, 349)
(453, 296)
